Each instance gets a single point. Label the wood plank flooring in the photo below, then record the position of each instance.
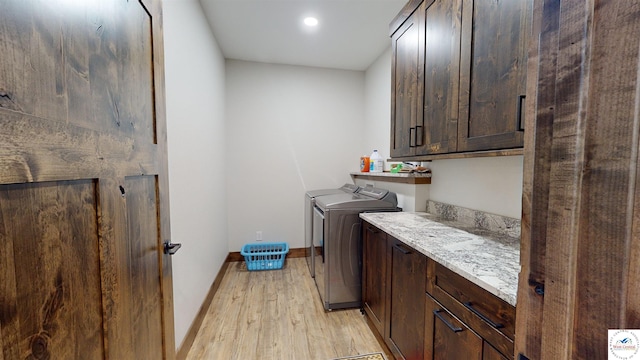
(278, 315)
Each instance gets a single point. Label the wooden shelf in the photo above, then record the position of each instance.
(463, 155)
(403, 178)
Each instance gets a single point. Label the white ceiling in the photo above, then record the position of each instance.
(351, 34)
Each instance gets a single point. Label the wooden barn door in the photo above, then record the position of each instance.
(84, 208)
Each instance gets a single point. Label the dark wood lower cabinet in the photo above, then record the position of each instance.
(374, 276)
(406, 301)
(448, 338)
(487, 315)
(490, 353)
(423, 310)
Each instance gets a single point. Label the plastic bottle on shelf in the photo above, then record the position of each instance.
(365, 166)
(376, 162)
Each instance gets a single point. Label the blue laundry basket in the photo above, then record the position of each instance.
(264, 256)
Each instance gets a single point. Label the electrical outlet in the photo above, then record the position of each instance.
(259, 235)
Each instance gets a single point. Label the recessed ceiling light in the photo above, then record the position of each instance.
(311, 21)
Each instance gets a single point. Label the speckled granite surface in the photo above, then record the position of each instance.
(488, 258)
(474, 218)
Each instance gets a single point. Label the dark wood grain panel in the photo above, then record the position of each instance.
(492, 73)
(607, 179)
(116, 281)
(407, 67)
(441, 342)
(496, 60)
(463, 155)
(441, 81)
(154, 8)
(453, 291)
(604, 182)
(486, 303)
(30, 43)
(539, 109)
(407, 301)
(588, 176)
(35, 149)
(490, 353)
(374, 275)
(82, 97)
(50, 230)
(100, 78)
(9, 323)
(407, 10)
(136, 68)
(144, 265)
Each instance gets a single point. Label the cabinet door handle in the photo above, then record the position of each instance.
(412, 137)
(372, 230)
(402, 250)
(436, 312)
(469, 306)
(419, 134)
(519, 105)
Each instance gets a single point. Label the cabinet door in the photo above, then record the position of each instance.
(493, 74)
(441, 81)
(407, 44)
(374, 275)
(490, 353)
(407, 289)
(446, 337)
(489, 316)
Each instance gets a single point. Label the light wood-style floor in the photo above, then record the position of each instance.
(278, 315)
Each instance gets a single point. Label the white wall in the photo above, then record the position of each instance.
(378, 106)
(194, 69)
(488, 184)
(411, 197)
(290, 129)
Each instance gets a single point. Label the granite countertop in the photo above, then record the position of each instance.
(488, 259)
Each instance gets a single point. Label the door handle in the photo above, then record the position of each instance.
(171, 248)
(412, 137)
(469, 306)
(436, 312)
(402, 250)
(519, 114)
(419, 134)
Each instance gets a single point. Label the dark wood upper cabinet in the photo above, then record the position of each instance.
(406, 94)
(441, 76)
(458, 76)
(493, 74)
